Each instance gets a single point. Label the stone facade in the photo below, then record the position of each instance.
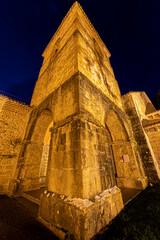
(79, 138)
(14, 118)
(152, 128)
(145, 121)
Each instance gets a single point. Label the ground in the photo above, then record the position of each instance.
(18, 223)
(139, 220)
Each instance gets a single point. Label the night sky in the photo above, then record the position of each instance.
(130, 29)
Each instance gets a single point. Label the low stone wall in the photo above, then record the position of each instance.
(79, 218)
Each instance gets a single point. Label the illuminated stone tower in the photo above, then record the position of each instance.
(78, 112)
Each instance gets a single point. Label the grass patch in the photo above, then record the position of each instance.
(139, 220)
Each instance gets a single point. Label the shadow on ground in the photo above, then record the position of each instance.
(139, 220)
(18, 223)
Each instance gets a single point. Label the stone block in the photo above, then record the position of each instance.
(79, 218)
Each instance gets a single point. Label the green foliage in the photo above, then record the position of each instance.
(139, 220)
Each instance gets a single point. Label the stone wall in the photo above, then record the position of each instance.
(152, 129)
(29, 162)
(108, 117)
(59, 64)
(94, 63)
(81, 164)
(14, 117)
(77, 218)
(154, 138)
(137, 104)
(54, 111)
(76, 46)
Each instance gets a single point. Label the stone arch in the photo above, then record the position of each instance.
(32, 153)
(116, 127)
(44, 116)
(125, 157)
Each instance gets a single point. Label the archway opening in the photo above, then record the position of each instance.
(45, 156)
(32, 174)
(110, 151)
(129, 176)
(118, 145)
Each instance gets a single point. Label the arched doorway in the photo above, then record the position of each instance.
(110, 151)
(127, 171)
(35, 149)
(45, 155)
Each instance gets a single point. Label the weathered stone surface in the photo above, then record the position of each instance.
(137, 106)
(14, 117)
(79, 218)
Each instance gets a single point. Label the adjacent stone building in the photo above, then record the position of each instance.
(78, 138)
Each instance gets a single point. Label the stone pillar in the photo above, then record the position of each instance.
(81, 194)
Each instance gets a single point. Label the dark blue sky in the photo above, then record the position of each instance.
(130, 29)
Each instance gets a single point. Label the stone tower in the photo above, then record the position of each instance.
(78, 139)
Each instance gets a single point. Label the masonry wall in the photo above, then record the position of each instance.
(141, 102)
(100, 110)
(136, 108)
(152, 130)
(55, 111)
(81, 164)
(60, 63)
(14, 117)
(93, 62)
(76, 46)
(154, 138)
